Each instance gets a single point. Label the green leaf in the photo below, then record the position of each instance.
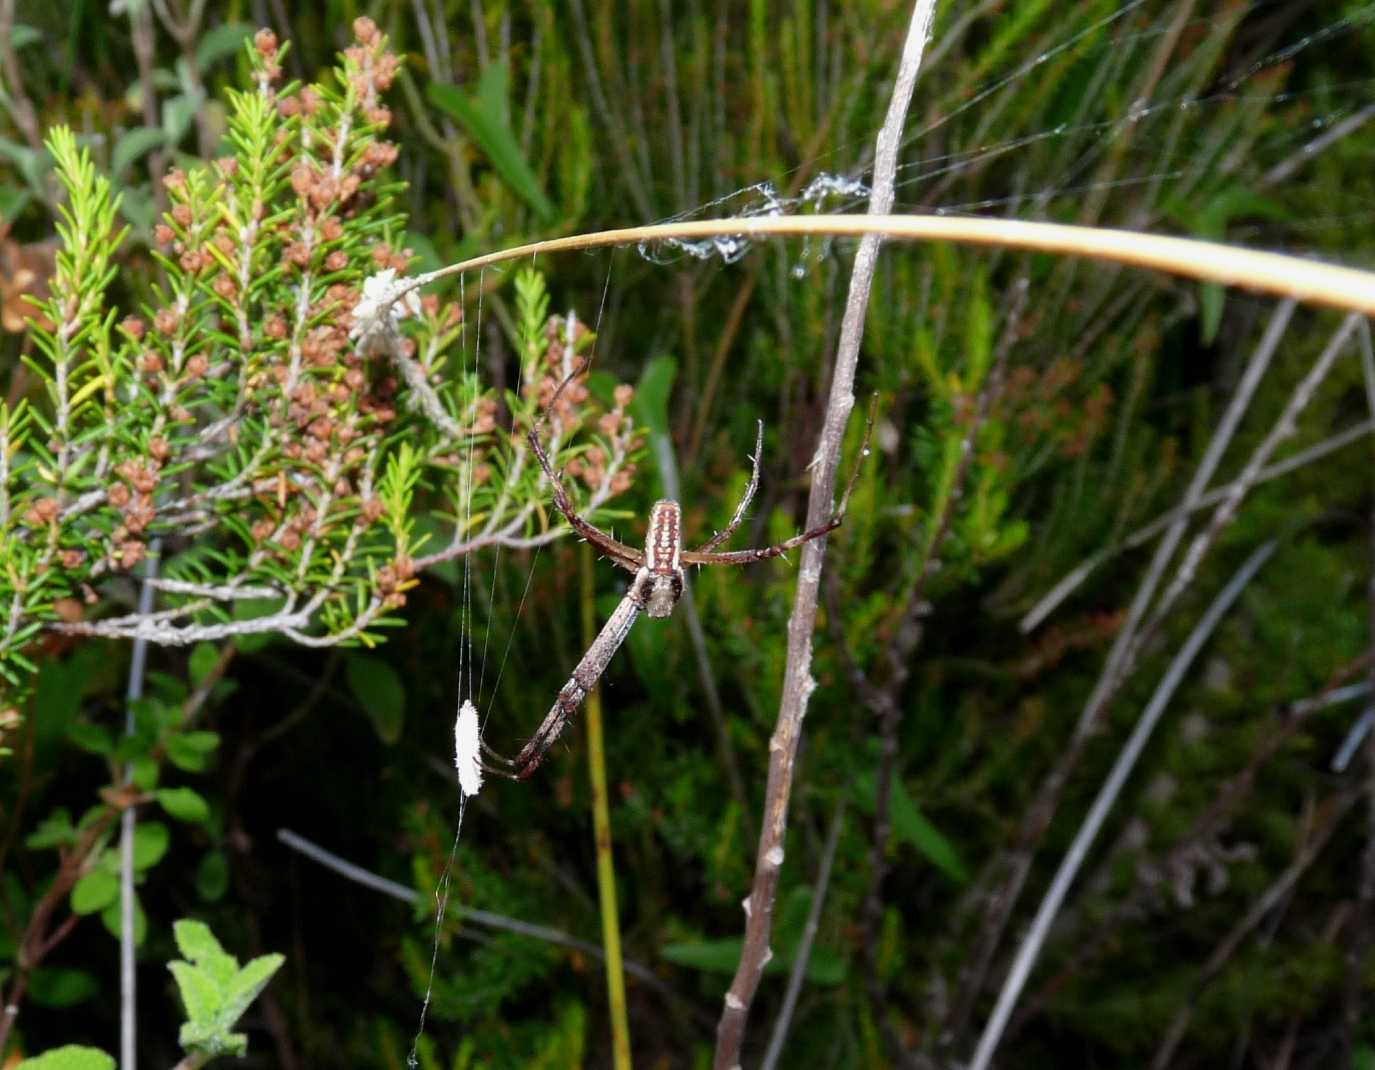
(912, 827)
(427, 256)
(22, 35)
(202, 660)
(113, 921)
(183, 804)
(723, 956)
(138, 142)
(177, 114)
(69, 1057)
(94, 891)
(1362, 1057)
(251, 609)
(55, 831)
(139, 209)
(198, 943)
(220, 42)
(1211, 297)
(712, 956)
(144, 772)
(483, 117)
(151, 839)
(13, 200)
(200, 995)
(650, 407)
(247, 984)
(59, 986)
(212, 876)
(379, 690)
(56, 700)
(191, 751)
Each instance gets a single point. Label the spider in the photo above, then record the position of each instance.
(655, 590)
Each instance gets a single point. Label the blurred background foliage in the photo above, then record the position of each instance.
(1091, 393)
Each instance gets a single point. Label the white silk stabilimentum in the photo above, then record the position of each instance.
(467, 749)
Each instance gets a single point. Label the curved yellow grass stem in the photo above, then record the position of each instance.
(1306, 280)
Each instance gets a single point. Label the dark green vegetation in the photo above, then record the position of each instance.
(1090, 396)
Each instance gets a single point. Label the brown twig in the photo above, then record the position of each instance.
(797, 680)
(39, 938)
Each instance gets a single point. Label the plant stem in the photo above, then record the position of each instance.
(798, 683)
(128, 973)
(1309, 281)
(601, 824)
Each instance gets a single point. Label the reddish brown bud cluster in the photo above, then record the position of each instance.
(385, 257)
(390, 577)
(41, 513)
(568, 409)
(265, 41)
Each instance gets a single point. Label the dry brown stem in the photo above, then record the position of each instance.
(797, 679)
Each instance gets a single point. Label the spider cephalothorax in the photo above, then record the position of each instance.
(655, 590)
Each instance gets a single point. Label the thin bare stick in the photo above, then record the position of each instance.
(797, 678)
(128, 990)
(1286, 168)
(1102, 805)
(804, 946)
(1283, 428)
(1310, 281)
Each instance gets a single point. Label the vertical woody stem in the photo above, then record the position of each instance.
(601, 824)
(797, 678)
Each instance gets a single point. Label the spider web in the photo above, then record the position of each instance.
(1156, 148)
(468, 672)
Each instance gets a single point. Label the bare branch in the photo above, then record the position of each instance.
(797, 680)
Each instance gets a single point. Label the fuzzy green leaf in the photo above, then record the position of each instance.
(200, 995)
(247, 984)
(198, 943)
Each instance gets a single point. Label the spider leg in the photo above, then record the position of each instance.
(584, 678)
(729, 530)
(762, 553)
(625, 556)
